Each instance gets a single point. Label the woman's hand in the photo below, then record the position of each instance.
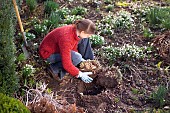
(84, 76)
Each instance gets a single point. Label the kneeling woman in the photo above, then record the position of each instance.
(65, 47)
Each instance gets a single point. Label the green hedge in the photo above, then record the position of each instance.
(11, 105)
(8, 77)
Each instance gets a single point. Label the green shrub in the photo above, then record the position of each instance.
(11, 105)
(31, 4)
(50, 6)
(8, 77)
(97, 40)
(79, 11)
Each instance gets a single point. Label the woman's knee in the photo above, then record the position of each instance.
(76, 57)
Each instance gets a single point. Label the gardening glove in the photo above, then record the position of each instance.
(84, 76)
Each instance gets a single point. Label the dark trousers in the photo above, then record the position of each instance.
(84, 52)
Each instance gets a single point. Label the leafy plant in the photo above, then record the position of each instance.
(159, 17)
(107, 31)
(109, 7)
(30, 36)
(50, 6)
(12, 105)
(40, 28)
(141, 11)
(123, 19)
(135, 91)
(71, 18)
(27, 72)
(63, 12)
(154, 16)
(159, 96)
(147, 33)
(21, 57)
(97, 40)
(125, 52)
(31, 4)
(79, 11)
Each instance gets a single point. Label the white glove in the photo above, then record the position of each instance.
(84, 76)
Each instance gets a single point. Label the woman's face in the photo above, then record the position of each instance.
(84, 35)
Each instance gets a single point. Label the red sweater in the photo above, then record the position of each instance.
(61, 40)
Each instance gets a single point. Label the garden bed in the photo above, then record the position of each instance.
(127, 80)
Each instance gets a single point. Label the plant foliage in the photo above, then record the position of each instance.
(8, 77)
(11, 105)
(31, 4)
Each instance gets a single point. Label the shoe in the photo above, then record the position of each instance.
(55, 76)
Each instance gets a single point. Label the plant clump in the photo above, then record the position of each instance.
(12, 105)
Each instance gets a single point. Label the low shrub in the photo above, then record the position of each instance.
(11, 105)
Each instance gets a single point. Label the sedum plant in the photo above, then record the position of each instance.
(97, 40)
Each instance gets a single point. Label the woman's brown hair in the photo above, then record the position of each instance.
(85, 25)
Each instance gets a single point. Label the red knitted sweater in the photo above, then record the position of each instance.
(61, 40)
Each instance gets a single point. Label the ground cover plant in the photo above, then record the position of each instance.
(132, 45)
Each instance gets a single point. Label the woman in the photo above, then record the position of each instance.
(66, 47)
